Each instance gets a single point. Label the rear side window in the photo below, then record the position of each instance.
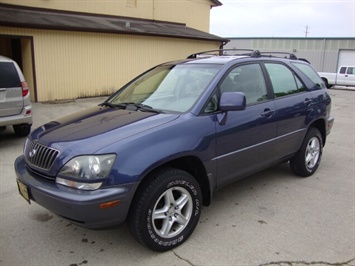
(284, 82)
(351, 70)
(8, 75)
(309, 72)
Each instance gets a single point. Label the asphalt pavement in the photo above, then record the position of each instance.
(271, 218)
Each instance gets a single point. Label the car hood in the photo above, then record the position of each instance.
(108, 124)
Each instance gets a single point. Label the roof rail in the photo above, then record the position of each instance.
(246, 52)
(305, 60)
(220, 52)
(269, 54)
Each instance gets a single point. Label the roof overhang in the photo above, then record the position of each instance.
(216, 3)
(38, 18)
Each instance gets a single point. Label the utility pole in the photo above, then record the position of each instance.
(306, 32)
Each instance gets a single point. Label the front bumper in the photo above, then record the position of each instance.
(330, 124)
(80, 207)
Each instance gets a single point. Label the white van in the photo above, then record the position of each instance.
(15, 105)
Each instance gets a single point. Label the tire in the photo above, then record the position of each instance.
(307, 159)
(22, 130)
(166, 210)
(326, 83)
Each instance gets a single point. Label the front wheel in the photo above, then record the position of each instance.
(166, 209)
(307, 159)
(326, 83)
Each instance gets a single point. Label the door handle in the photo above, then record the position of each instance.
(267, 113)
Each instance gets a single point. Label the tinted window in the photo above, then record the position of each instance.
(8, 75)
(351, 70)
(248, 79)
(309, 72)
(342, 70)
(284, 82)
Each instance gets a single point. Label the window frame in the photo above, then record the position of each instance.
(310, 74)
(296, 78)
(342, 70)
(241, 64)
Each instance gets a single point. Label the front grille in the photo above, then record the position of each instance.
(39, 155)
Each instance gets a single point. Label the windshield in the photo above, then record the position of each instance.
(168, 88)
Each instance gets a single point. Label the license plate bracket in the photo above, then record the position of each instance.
(23, 190)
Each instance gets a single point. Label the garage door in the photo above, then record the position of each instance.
(346, 58)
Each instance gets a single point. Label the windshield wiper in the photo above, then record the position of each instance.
(143, 108)
(132, 106)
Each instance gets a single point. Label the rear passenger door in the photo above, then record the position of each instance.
(245, 140)
(293, 107)
(11, 100)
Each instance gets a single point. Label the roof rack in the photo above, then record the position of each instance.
(269, 54)
(210, 53)
(305, 60)
(247, 52)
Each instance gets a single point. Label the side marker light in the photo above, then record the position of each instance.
(109, 204)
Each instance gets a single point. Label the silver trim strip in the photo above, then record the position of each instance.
(261, 143)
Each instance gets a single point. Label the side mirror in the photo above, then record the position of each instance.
(232, 101)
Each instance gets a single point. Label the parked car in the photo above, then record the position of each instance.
(344, 77)
(15, 105)
(158, 149)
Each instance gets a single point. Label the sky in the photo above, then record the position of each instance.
(283, 18)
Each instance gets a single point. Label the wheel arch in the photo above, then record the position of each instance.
(194, 166)
(320, 125)
(326, 82)
(190, 164)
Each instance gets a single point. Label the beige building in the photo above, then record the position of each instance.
(85, 48)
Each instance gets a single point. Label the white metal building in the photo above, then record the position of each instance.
(325, 54)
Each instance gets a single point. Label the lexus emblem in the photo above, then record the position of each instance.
(32, 153)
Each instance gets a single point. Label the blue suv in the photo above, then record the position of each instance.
(156, 151)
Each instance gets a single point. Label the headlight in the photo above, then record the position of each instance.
(86, 172)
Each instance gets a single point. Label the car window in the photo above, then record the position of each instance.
(309, 72)
(351, 70)
(212, 104)
(283, 81)
(248, 79)
(169, 88)
(8, 75)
